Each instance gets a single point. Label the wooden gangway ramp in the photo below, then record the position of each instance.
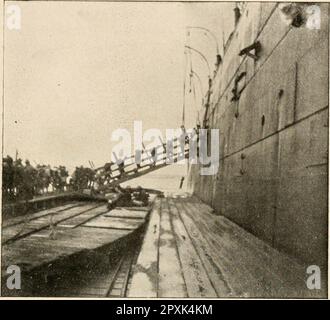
(151, 160)
(188, 251)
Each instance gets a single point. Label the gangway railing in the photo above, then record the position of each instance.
(114, 173)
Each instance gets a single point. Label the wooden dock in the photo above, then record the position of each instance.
(190, 252)
(178, 249)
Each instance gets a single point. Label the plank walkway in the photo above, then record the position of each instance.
(190, 252)
(187, 251)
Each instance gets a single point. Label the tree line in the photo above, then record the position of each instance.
(23, 181)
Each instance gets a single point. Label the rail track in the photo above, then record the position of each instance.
(114, 283)
(121, 279)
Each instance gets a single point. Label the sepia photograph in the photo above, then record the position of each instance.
(173, 149)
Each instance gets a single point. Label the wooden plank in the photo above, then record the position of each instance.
(52, 196)
(171, 282)
(264, 249)
(240, 277)
(21, 219)
(266, 271)
(83, 218)
(113, 223)
(146, 209)
(242, 280)
(24, 229)
(145, 274)
(220, 283)
(128, 214)
(196, 278)
(31, 252)
(43, 198)
(287, 272)
(13, 232)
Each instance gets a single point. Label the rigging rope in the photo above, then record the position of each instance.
(194, 94)
(193, 86)
(184, 90)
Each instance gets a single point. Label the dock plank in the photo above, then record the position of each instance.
(25, 228)
(266, 271)
(31, 252)
(171, 281)
(128, 213)
(134, 208)
(244, 283)
(196, 278)
(145, 274)
(83, 218)
(27, 217)
(217, 258)
(113, 223)
(206, 252)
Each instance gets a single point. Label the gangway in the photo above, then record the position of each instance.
(164, 154)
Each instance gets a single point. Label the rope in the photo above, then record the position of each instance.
(184, 91)
(194, 94)
(193, 86)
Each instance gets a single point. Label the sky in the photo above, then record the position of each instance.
(76, 71)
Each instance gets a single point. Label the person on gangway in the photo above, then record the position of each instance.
(153, 156)
(121, 167)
